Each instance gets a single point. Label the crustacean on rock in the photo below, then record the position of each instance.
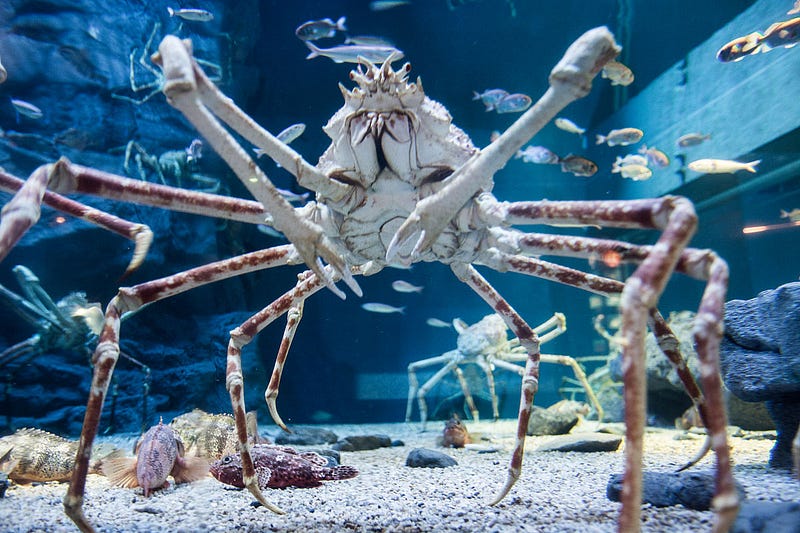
(398, 168)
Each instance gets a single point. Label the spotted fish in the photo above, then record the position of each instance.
(279, 467)
(159, 453)
(37, 455)
(210, 435)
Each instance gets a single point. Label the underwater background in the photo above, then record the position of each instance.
(74, 61)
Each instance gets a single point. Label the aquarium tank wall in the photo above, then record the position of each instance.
(81, 85)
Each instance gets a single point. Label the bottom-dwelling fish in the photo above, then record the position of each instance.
(159, 453)
(279, 467)
(455, 434)
(37, 455)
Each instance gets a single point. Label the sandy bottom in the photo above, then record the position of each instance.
(558, 492)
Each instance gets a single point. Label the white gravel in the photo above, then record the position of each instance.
(558, 492)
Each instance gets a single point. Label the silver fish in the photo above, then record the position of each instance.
(569, 126)
(351, 52)
(26, 108)
(490, 97)
(195, 15)
(436, 323)
(621, 137)
(374, 307)
(383, 5)
(319, 29)
(635, 172)
(513, 103)
(692, 139)
(722, 166)
(291, 133)
(618, 73)
(794, 214)
(537, 154)
(630, 159)
(368, 40)
(404, 286)
(656, 157)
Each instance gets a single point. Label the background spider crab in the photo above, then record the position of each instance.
(398, 168)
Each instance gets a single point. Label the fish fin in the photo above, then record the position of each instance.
(121, 472)
(790, 45)
(341, 472)
(762, 48)
(263, 475)
(475, 95)
(170, 11)
(314, 50)
(784, 214)
(403, 309)
(340, 24)
(600, 139)
(96, 464)
(751, 166)
(188, 469)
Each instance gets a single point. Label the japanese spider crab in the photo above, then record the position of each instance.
(486, 344)
(397, 168)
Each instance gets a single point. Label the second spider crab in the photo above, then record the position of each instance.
(486, 344)
(397, 167)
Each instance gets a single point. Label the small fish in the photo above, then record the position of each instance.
(656, 157)
(455, 434)
(373, 307)
(618, 73)
(795, 8)
(794, 214)
(37, 455)
(621, 137)
(513, 103)
(27, 109)
(383, 5)
(635, 172)
(194, 15)
(351, 52)
(368, 40)
(436, 323)
(320, 29)
(630, 159)
(538, 155)
(490, 97)
(739, 48)
(159, 453)
(93, 317)
(279, 467)
(3, 73)
(722, 166)
(270, 231)
(569, 126)
(404, 286)
(692, 139)
(579, 166)
(291, 133)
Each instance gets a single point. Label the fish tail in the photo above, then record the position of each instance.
(187, 469)
(519, 154)
(476, 95)
(751, 166)
(600, 139)
(784, 213)
(121, 472)
(314, 50)
(340, 24)
(171, 11)
(341, 472)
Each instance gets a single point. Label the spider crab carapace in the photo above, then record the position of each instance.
(397, 168)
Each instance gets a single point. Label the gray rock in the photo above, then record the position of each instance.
(760, 359)
(768, 517)
(551, 421)
(427, 458)
(357, 443)
(693, 490)
(301, 436)
(585, 442)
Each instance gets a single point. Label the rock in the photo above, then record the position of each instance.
(767, 517)
(760, 359)
(558, 419)
(583, 442)
(397, 443)
(427, 458)
(301, 436)
(358, 443)
(693, 490)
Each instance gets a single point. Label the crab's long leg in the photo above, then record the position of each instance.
(413, 383)
(638, 299)
(530, 379)
(189, 90)
(107, 351)
(466, 392)
(570, 79)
